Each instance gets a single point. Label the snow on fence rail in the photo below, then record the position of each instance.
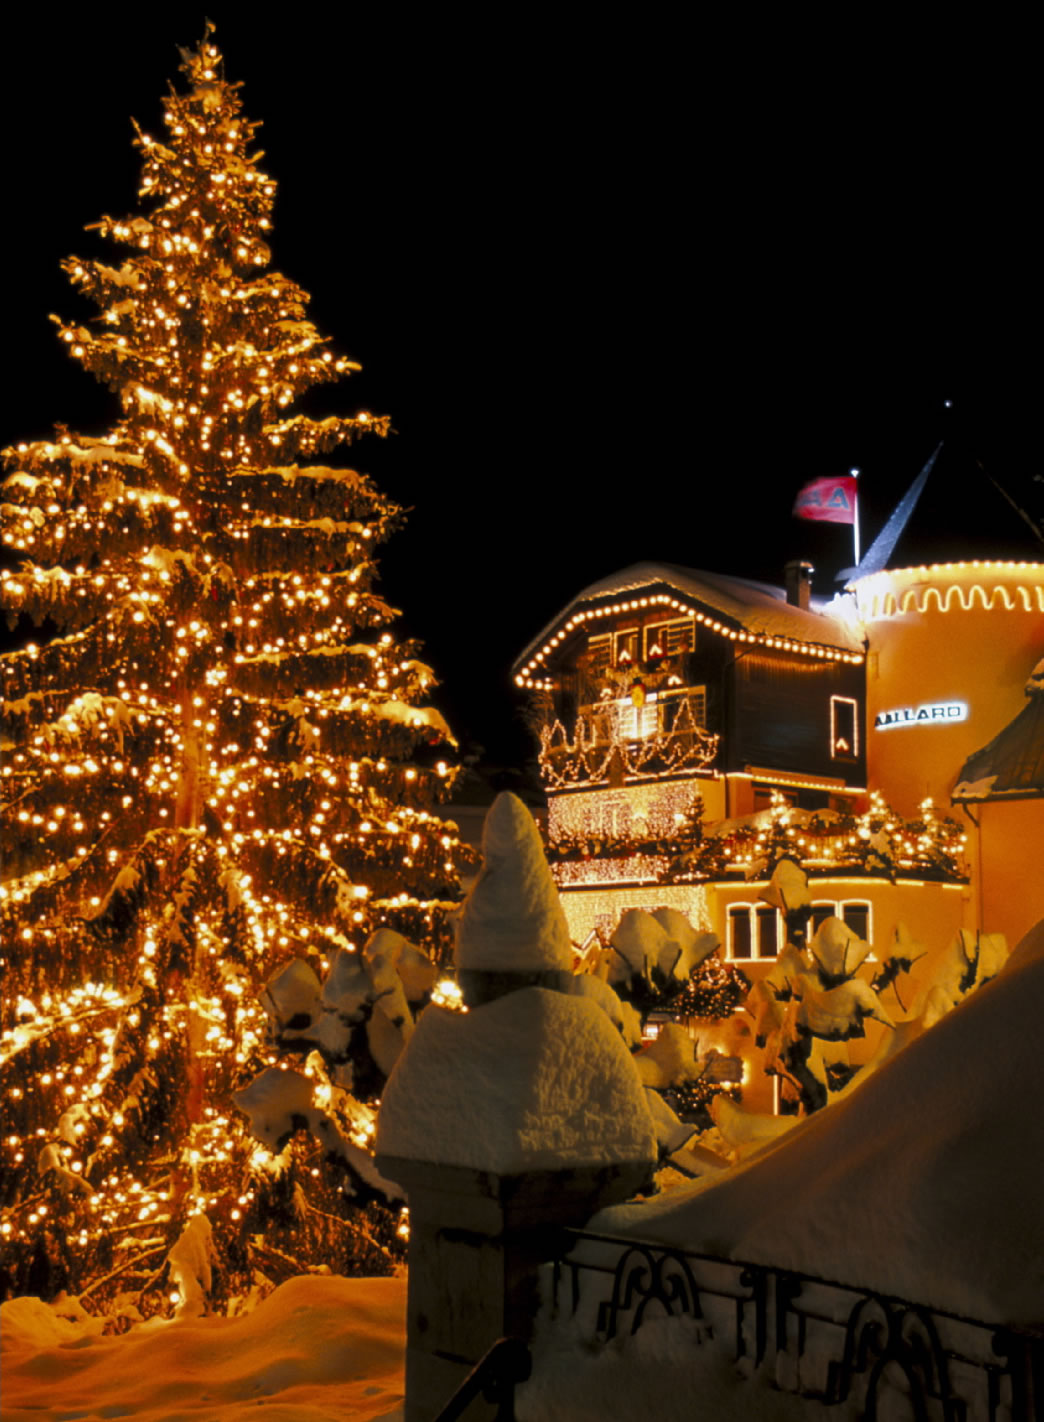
(822, 1340)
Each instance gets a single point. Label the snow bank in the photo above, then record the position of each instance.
(534, 1080)
(316, 1348)
(666, 1370)
(512, 921)
(924, 1183)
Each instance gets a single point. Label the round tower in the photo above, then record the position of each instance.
(949, 648)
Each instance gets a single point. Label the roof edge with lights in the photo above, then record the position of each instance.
(735, 608)
(999, 585)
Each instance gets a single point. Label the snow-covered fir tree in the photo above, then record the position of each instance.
(219, 774)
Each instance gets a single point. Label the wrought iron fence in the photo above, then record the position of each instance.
(495, 1378)
(826, 1341)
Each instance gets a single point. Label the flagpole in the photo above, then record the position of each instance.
(855, 520)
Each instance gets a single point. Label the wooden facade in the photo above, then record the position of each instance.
(665, 672)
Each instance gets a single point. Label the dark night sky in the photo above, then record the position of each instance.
(622, 291)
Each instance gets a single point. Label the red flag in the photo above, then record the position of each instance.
(828, 500)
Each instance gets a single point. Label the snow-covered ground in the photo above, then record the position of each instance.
(924, 1182)
(666, 1371)
(324, 1348)
(317, 1348)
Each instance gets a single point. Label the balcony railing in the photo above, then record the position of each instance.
(660, 736)
(824, 1341)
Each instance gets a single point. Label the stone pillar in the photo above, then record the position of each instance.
(504, 1123)
(477, 1240)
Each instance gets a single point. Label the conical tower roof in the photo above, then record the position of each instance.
(954, 511)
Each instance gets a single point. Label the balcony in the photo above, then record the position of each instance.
(631, 738)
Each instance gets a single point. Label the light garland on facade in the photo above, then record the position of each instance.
(526, 678)
(875, 844)
(631, 869)
(832, 784)
(598, 742)
(889, 594)
(655, 809)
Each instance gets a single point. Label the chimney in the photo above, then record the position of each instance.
(797, 575)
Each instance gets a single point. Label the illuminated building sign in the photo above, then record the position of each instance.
(933, 713)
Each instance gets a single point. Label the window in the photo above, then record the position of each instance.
(627, 648)
(755, 931)
(637, 723)
(844, 728)
(768, 931)
(600, 651)
(857, 915)
(765, 796)
(820, 913)
(739, 931)
(667, 639)
(854, 912)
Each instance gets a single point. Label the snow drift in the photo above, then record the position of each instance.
(316, 1348)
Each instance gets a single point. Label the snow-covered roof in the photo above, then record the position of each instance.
(1011, 766)
(759, 611)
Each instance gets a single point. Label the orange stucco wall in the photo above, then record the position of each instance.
(963, 634)
(958, 634)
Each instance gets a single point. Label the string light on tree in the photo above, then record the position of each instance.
(225, 762)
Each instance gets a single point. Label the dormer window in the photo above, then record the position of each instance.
(600, 651)
(668, 639)
(627, 648)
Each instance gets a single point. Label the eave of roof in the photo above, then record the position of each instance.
(738, 608)
(1011, 766)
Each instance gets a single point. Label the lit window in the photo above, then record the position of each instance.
(636, 721)
(844, 728)
(668, 639)
(627, 648)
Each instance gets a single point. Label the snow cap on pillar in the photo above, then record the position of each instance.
(512, 921)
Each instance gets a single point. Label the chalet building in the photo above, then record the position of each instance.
(733, 686)
(693, 723)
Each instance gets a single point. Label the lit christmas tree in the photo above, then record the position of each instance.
(223, 765)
